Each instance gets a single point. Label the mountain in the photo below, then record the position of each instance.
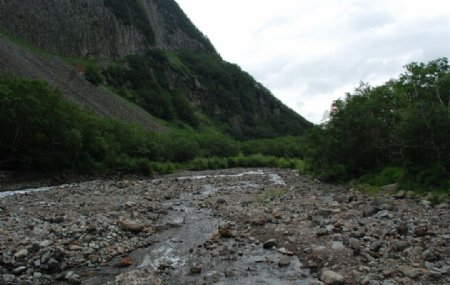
(106, 54)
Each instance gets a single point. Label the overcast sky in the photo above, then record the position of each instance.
(310, 52)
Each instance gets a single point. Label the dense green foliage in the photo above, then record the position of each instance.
(166, 83)
(41, 131)
(132, 13)
(238, 97)
(143, 80)
(402, 127)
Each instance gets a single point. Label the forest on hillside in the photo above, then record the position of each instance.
(398, 132)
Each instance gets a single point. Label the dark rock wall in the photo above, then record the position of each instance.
(86, 28)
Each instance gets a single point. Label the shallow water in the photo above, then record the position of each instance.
(230, 261)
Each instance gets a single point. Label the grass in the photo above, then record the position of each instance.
(271, 195)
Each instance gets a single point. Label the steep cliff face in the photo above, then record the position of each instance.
(107, 29)
(147, 52)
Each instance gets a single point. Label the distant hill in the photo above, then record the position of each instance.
(138, 60)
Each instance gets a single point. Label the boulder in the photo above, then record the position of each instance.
(331, 277)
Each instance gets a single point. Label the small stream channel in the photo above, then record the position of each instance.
(186, 245)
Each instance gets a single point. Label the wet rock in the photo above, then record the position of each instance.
(284, 261)
(132, 226)
(270, 243)
(331, 277)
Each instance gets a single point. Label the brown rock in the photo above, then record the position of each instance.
(420, 231)
(132, 226)
(124, 263)
(225, 231)
(402, 229)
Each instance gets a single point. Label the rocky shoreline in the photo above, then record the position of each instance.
(286, 228)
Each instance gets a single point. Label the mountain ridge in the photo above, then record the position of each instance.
(149, 53)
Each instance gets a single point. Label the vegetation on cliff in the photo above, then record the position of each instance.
(199, 89)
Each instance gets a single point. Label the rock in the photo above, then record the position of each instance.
(53, 264)
(402, 228)
(225, 231)
(8, 277)
(425, 203)
(19, 269)
(21, 253)
(330, 228)
(195, 269)
(75, 247)
(400, 195)
(37, 275)
(442, 206)
(124, 263)
(420, 231)
(72, 278)
(354, 244)
(284, 261)
(337, 245)
(389, 188)
(400, 246)
(270, 243)
(375, 246)
(382, 214)
(369, 211)
(430, 256)
(411, 272)
(212, 277)
(331, 277)
(45, 243)
(132, 226)
(322, 232)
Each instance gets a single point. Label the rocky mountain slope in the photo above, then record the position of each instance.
(147, 52)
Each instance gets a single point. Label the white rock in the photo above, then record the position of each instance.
(331, 277)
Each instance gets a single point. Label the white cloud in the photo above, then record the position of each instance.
(310, 52)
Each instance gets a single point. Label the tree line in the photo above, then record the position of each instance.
(399, 131)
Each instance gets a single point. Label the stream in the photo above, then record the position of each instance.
(188, 250)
